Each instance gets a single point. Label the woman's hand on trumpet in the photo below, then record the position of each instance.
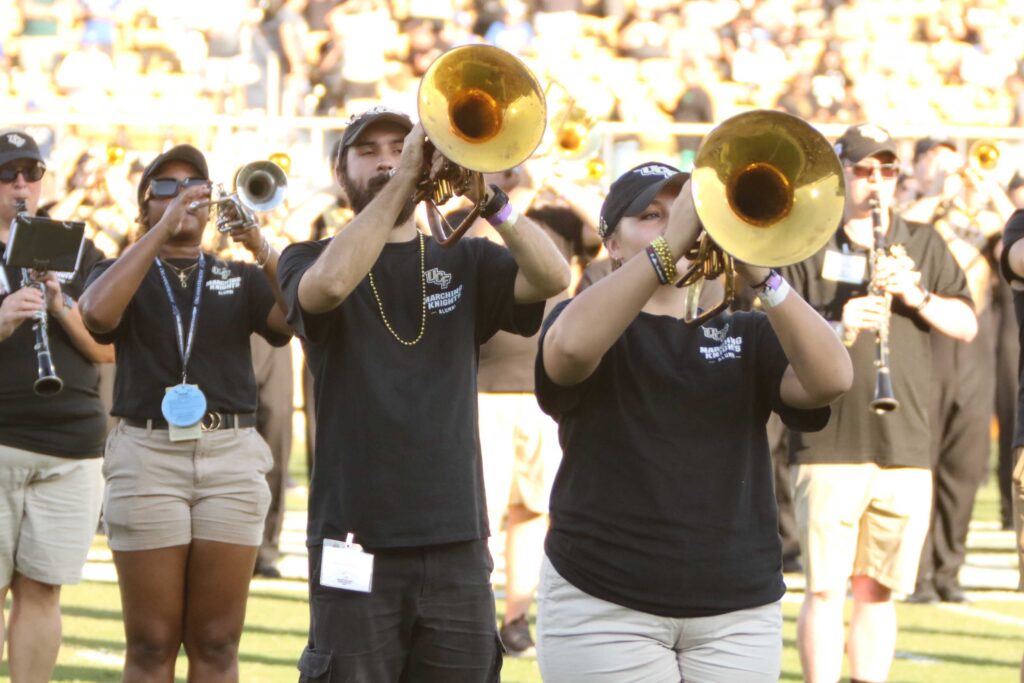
(177, 212)
(684, 226)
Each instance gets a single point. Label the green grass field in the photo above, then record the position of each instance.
(937, 644)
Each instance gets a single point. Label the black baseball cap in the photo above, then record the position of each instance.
(925, 145)
(186, 153)
(864, 140)
(17, 144)
(358, 124)
(634, 190)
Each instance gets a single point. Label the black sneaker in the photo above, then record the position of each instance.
(924, 594)
(266, 571)
(952, 592)
(516, 637)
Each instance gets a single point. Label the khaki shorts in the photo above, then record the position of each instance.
(1018, 509)
(521, 453)
(49, 508)
(162, 493)
(861, 520)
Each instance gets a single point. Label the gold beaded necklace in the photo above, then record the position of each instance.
(183, 273)
(423, 310)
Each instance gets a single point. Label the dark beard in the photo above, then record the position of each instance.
(360, 198)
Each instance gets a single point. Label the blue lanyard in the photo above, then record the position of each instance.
(184, 345)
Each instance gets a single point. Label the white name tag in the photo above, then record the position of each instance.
(344, 564)
(848, 268)
(190, 433)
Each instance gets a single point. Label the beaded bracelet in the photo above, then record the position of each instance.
(652, 255)
(668, 262)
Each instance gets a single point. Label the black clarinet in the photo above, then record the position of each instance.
(884, 400)
(47, 382)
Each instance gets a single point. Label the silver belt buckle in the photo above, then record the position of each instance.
(214, 424)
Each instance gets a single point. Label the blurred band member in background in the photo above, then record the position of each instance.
(863, 485)
(968, 211)
(50, 446)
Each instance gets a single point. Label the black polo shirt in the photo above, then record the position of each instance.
(855, 433)
(71, 424)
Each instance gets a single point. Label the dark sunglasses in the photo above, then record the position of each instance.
(888, 171)
(165, 188)
(31, 172)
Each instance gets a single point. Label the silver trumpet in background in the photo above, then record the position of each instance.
(47, 382)
(257, 187)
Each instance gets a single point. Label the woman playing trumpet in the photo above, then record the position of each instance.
(663, 557)
(186, 492)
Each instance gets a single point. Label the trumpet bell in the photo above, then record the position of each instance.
(283, 160)
(481, 108)
(983, 155)
(768, 188)
(261, 185)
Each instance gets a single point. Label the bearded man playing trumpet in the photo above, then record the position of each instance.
(391, 324)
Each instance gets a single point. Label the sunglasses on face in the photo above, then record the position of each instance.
(30, 172)
(863, 171)
(165, 188)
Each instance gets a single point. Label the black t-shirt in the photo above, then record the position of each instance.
(1015, 231)
(856, 434)
(235, 303)
(663, 501)
(397, 449)
(71, 424)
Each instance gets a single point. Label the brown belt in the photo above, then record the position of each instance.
(210, 421)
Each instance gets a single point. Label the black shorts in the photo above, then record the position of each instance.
(429, 618)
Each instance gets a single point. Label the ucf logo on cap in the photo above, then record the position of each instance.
(16, 140)
(655, 169)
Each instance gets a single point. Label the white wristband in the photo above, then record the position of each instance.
(774, 292)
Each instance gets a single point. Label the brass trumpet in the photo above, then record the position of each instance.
(257, 187)
(769, 191)
(983, 156)
(484, 110)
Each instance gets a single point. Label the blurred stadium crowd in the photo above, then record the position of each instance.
(645, 63)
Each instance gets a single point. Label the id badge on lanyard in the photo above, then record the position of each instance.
(184, 405)
(844, 267)
(345, 565)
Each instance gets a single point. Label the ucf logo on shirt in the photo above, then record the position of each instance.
(445, 301)
(726, 348)
(224, 284)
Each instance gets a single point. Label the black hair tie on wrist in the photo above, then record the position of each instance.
(495, 203)
(762, 283)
